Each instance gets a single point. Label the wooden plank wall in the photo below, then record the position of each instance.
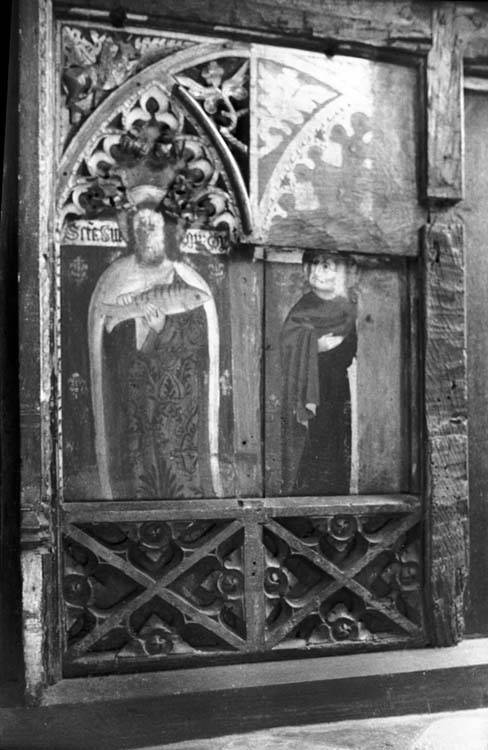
(473, 212)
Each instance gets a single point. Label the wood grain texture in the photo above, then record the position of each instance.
(344, 177)
(444, 109)
(405, 25)
(445, 429)
(35, 351)
(254, 564)
(473, 211)
(469, 653)
(382, 381)
(245, 280)
(197, 509)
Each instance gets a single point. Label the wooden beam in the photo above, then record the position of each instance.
(445, 430)
(160, 720)
(444, 110)
(469, 654)
(380, 24)
(140, 510)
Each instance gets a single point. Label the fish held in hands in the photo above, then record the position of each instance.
(158, 302)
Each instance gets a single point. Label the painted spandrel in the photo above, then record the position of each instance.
(333, 153)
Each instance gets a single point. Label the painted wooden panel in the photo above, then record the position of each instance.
(334, 153)
(197, 527)
(384, 393)
(337, 392)
(245, 313)
(157, 391)
(152, 306)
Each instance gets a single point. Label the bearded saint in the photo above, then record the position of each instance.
(156, 406)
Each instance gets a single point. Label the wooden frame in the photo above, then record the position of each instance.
(420, 37)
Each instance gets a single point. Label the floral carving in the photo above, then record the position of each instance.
(97, 61)
(155, 637)
(94, 588)
(93, 67)
(150, 146)
(193, 600)
(219, 97)
(367, 564)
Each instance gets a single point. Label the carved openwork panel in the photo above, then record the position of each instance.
(153, 589)
(342, 579)
(236, 339)
(163, 591)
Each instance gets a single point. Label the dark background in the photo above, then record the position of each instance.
(11, 667)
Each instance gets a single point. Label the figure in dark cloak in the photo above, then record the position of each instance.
(318, 344)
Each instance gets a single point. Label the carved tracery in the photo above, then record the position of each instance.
(164, 125)
(161, 588)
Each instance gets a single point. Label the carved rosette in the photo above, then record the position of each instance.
(164, 589)
(341, 579)
(114, 597)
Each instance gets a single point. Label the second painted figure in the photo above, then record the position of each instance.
(318, 346)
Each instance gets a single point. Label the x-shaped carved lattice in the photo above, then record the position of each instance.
(257, 637)
(153, 587)
(342, 579)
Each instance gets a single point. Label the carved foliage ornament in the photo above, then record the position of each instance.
(151, 145)
(164, 588)
(97, 61)
(221, 98)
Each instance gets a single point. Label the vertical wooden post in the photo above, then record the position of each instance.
(445, 430)
(246, 284)
(444, 109)
(36, 166)
(254, 574)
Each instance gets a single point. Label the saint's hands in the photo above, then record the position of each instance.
(328, 341)
(125, 299)
(154, 317)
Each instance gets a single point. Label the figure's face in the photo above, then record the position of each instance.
(322, 275)
(148, 229)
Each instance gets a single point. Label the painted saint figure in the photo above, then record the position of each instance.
(154, 364)
(318, 345)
